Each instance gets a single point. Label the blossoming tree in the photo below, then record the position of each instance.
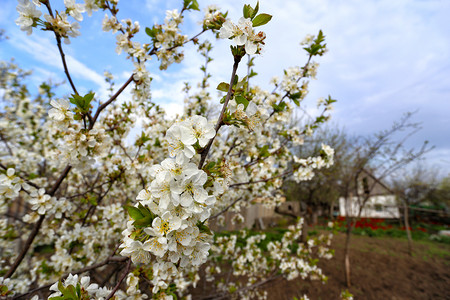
(110, 219)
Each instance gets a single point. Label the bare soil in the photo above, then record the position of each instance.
(381, 269)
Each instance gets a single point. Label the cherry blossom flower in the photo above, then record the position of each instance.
(28, 14)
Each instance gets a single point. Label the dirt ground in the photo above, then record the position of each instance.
(381, 269)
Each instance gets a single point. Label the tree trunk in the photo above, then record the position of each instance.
(314, 216)
(331, 210)
(408, 232)
(347, 251)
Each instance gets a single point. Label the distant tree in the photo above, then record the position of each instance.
(441, 195)
(379, 156)
(416, 184)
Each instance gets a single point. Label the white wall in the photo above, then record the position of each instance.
(376, 207)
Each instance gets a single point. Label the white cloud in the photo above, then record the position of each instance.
(45, 51)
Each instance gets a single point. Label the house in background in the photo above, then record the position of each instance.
(380, 204)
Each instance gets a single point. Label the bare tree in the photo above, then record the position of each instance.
(382, 153)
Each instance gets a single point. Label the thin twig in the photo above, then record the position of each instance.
(27, 245)
(127, 270)
(226, 208)
(219, 123)
(6, 144)
(61, 51)
(117, 259)
(261, 180)
(110, 100)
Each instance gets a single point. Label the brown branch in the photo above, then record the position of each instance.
(61, 51)
(36, 228)
(219, 123)
(111, 259)
(27, 245)
(261, 180)
(127, 270)
(113, 97)
(226, 208)
(305, 69)
(60, 180)
(6, 144)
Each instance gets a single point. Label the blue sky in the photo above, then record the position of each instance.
(385, 58)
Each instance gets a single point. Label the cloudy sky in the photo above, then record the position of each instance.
(385, 58)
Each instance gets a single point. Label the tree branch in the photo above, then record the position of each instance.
(226, 208)
(111, 259)
(110, 100)
(219, 123)
(127, 270)
(61, 51)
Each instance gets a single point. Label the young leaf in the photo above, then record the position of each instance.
(223, 87)
(239, 99)
(264, 151)
(134, 212)
(186, 3)
(236, 79)
(78, 290)
(194, 5)
(144, 210)
(88, 97)
(143, 222)
(203, 228)
(255, 11)
(261, 19)
(247, 11)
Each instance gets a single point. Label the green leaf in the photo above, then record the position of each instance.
(279, 107)
(247, 10)
(144, 210)
(224, 87)
(261, 19)
(264, 151)
(255, 11)
(239, 99)
(134, 212)
(194, 5)
(241, 84)
(70, 293)
(61, 286)
(151, 32)
(78, 290)
(236, 79)
(83, 103)
(210, 165)
(186, 3)
(294, 97)
(203, 228)
(144, 222)
(252, 73)
(88, 97)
